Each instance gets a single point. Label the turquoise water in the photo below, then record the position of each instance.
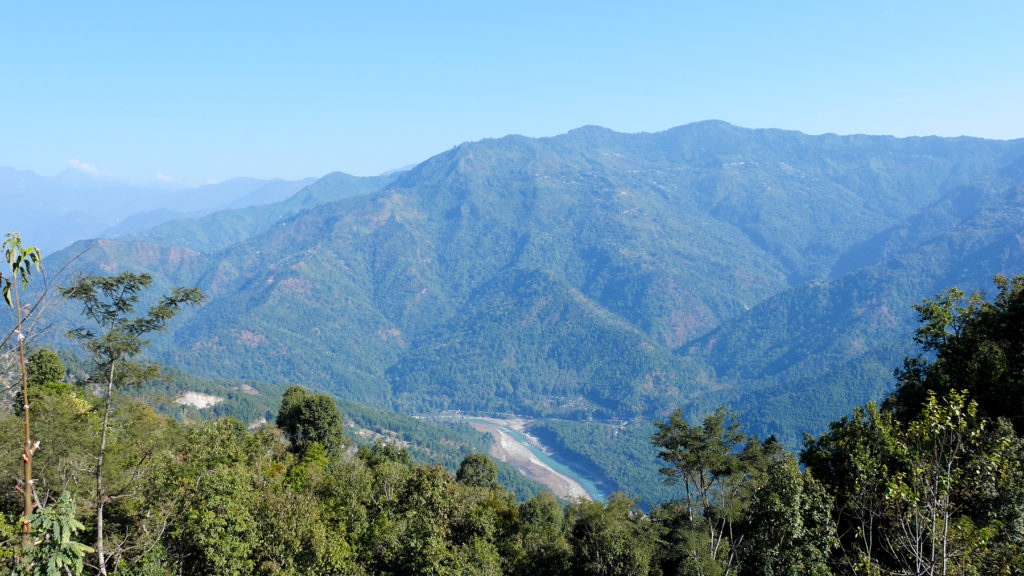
(595, 493)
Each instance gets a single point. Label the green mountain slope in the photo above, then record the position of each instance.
(527, 342)
(223, 228)
(557, 276)
(795, 357)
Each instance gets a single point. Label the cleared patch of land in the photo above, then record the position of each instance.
(198, 400)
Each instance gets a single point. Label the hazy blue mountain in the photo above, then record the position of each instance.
(276, 190)
(51, 213)
(142, 221)
(224, 228)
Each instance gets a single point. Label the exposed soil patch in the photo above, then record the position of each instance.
(198, 400)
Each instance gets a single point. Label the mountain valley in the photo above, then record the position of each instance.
(594, 275)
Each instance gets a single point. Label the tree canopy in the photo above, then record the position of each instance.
(936, 488)
(973, 344)
(308, 419)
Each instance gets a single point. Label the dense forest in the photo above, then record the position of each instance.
(592, 274)
(576, 282)
(929, 481)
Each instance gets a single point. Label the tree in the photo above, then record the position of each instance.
(707, 461)
(311, 418)
(44, 367)
(381, 453)
(949, 461)
(115, 338)
(478, 470)
(939, 495)
(43, 370)
(854, 461)
(53, 551)
(20, 261)
(975, 345)
(609, 539)
(545, 550)
(788, 526)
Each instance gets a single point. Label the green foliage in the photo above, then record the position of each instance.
(926, 496)
(476, 363)
(248, 401)
(706, 460)
(556, 277)
(717, 478)
(477, 470)
(52, 552)
(44, 367)
(687, 548)
(791, 363)
(609, 539)
(430, 441)
(788, 526)
(109, 302)
(44, 372)
(978, 346)
(8, 543)
(854, 460)
(308, 419)
(215, 498)
(117, 336)
(948, 461)
(545, 548)
(20, 261)
(380, 453)
(65, 424)
(208, 497)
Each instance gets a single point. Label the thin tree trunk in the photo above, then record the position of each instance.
(100, 556)
(28, 450)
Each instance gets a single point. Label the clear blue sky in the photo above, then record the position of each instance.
(200, 91)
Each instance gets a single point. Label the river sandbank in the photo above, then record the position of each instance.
(511, 451)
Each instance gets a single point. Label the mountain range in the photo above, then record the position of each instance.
(56, 211)
(595, 274)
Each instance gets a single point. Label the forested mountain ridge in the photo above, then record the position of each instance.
(797, 354)
(928, 482)
(558, 275)
(223, 228)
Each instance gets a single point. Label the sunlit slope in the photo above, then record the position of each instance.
(586, 273)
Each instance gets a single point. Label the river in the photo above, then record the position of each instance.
(535, 462)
